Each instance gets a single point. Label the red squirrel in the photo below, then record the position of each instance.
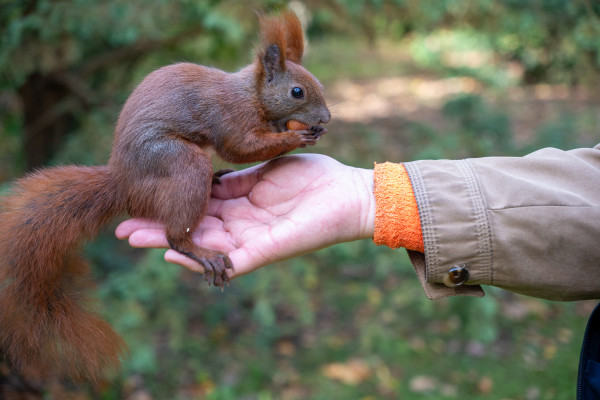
(159, 168)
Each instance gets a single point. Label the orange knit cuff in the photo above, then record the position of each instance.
(397, 222)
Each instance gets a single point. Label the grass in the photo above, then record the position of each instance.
(349, 322)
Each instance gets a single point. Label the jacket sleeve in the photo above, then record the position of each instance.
(529, 224)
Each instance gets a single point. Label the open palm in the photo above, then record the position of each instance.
(280, 209)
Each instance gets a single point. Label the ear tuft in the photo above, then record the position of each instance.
(284, 31)
(294, 37)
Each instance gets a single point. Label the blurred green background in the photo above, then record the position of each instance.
(406, 80)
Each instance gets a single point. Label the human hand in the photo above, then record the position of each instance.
(280, 209)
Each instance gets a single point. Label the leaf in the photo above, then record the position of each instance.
(351, 372)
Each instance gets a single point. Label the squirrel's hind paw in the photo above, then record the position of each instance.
(216, 268)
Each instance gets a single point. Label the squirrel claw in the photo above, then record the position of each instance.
(318, 130)
(311, 136)
(216, 179)
(216, 268)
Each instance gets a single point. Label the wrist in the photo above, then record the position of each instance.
(365, 211)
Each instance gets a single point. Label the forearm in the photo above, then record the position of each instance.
(529, 225)
(398, 224)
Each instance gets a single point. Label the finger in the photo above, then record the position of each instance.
(210, 222)
(214, 239)
(127, 227)
(245, 261)
(154, 238)
(174, 257)
(215, 207)
(237, 184)
(224, 210)
(241, 263)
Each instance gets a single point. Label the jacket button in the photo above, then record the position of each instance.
(457, 275)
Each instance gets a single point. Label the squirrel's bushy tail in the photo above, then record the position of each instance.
(47, 324)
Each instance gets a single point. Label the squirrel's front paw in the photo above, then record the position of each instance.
(312, 135)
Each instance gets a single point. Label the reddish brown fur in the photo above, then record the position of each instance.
(294, 39)
(159, 168)
(45, 322)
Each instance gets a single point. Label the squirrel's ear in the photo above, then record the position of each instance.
(272, 32)
(281, 39)
(294, 37)
(271, 61)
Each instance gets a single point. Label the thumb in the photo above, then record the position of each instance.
(236, 184)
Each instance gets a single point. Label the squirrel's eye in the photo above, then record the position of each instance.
(297, 92)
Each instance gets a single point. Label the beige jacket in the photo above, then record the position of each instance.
(530, 224)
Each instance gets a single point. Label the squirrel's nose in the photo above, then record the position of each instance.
(326, 117)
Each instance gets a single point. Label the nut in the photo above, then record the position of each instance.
(294, 125)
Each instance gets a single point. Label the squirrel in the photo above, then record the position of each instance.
(159, 168)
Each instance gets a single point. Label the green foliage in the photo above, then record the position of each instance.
(558, 133)
(553, 40)
(462, 52)
(477, 130)
(45, 36)
(11, 128)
